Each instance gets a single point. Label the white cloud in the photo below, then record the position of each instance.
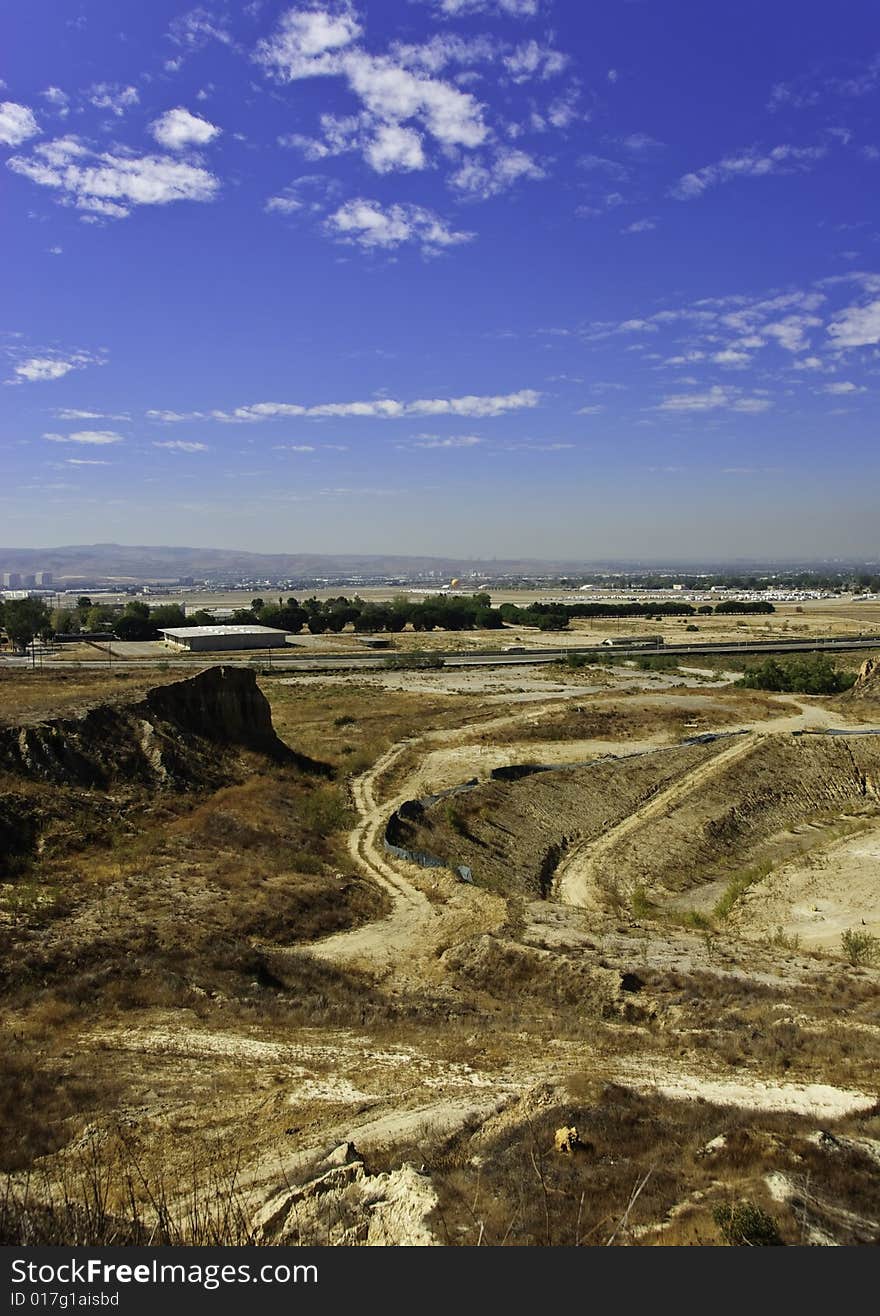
(480, 406)
(57, 98)
(85, 461)
(283, 205)
(178, 128)
(638, 143)
(384, 146)
(640, 226)
(532, 60)
(97, 438)
(17, 124)
(366, 224)
(172, 417)
(109, 183)
(464, 441)
(111, 96)
(320, 42)
(305, 38)
(750, 163)
(38, 369)
(843, 388)
(181, 445)
(591, 410)
(713, 399)
(392, 93)
(809, 363)
(74, 413)
(196, 28)
(394, 147)
(790, 332)
(478, 180)
(600, 163)
(857, 326)
(730, 357)
(512, 8)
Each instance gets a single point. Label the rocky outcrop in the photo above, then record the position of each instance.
(867, 686)
(346, 1206)
(174, 735)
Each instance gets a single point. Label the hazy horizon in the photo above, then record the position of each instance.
(510, 278)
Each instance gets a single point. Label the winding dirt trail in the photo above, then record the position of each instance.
(416, 926)
(579, 876)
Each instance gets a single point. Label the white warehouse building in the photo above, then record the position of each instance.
(202, 639)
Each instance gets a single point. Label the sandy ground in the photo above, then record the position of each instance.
(820, 897)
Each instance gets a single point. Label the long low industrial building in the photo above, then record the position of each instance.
(202, 639)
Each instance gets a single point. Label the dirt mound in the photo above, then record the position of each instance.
(168, 736)
(71, 776)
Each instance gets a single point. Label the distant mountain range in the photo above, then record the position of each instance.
(134, 563)
(157, 562)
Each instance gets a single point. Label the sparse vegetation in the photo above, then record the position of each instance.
(810, 674)
(860, 947)
(745, 1225)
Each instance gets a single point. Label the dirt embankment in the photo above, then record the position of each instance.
(184, 735)
(667, 821)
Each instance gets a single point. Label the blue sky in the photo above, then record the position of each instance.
(527, 277)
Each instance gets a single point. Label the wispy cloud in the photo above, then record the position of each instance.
(511, 8)
(96, 438)
(181, 445)
(713, 399)
(369, 225)
(111, 96)
(74, 413)
(750, 163)
(488, 177)
(857, 326)
(459, 441)
(471, 405)
(40, 369)
(532, 60)
(110, 183)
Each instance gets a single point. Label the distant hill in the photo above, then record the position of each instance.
(126, 562)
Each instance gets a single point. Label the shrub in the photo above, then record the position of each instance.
(860, 947)
(746, 1225)
(808, 674)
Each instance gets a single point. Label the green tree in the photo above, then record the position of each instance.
(25, 618)
(166, 615)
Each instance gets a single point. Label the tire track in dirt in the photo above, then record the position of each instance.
(578, 878)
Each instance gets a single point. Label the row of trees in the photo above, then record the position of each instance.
(139, 621)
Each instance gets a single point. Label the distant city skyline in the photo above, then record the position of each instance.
(511, 278)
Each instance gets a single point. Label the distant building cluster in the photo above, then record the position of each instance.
(26, 580)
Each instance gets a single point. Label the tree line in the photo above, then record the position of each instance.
(24, 619)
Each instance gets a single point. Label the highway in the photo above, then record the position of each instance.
(355, 661)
